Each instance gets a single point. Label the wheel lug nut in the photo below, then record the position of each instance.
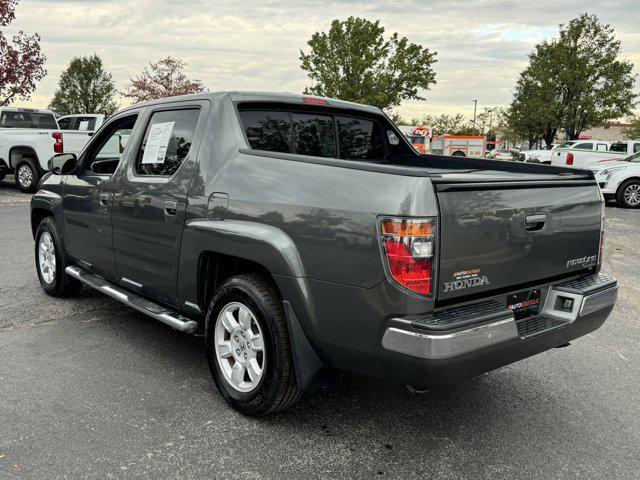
(238, 351)
(245, 356)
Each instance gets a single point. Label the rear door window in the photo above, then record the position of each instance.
(167, 142)
(584, 146)
(267, 130)
(360, 139)
(313, 135)
(85, 123)
(65, 123)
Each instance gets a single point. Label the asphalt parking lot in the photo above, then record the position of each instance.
(92, 389)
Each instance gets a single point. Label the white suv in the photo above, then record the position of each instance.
(620, 179)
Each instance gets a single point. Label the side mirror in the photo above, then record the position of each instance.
(63, 163)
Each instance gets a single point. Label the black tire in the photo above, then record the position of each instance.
(27, 175)
(2, 175)
(621, 198)
(277, 388)
(61, 284)
(458, 154)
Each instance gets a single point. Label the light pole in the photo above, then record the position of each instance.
(475, 106)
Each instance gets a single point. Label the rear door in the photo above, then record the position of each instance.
(150, 203)
(501, 236)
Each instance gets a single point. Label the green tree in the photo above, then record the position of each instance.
(85, 87)
(573, 82)
(632, 131)
(354, 62)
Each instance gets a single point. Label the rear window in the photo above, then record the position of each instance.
(584, 146)
(314, 134)
(28, 120)
(269, 131)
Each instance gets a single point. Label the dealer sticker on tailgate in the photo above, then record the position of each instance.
(524, 304)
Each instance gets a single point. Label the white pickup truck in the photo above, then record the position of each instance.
(77, 129)
(586, 152)
(30, 137)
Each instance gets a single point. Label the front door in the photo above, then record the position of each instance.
(88, 198)
(150, 202)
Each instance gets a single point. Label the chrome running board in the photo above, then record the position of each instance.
(133, 300)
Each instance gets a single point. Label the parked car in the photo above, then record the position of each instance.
(303, 234)
(538, 155)
(78, 129)
(499, 154)
(28, 138)
(619, 179)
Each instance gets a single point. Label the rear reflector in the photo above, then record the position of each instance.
(408, 249)
(569, 158)
(315, 101)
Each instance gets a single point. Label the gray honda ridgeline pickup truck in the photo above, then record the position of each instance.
(299, 235)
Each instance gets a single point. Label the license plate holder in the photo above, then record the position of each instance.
(524, 304)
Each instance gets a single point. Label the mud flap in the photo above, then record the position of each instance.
(312, 374)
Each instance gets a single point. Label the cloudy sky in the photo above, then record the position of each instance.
(254, 45)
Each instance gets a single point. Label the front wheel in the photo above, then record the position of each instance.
(27, 176)
(628, 194)
(50, 262)
(248, 347)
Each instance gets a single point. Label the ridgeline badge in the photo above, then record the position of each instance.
(583, 261)
(466, 279)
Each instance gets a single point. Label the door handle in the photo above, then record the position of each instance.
(535, 223)
(104, 199)
(170, 208)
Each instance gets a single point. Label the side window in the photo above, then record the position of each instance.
(105, 152)
(85, 123)
(601, 147)
(636, 147)
(360, 139)
(618, 147)
(267, 130)
(584, 146)
(313, 135)
(65, 123)
(167, 142)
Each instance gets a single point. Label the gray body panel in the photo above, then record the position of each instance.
(312, 224)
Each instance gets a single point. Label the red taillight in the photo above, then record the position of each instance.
(569, 158)
(58, 146)
(315, 101)
(408, 247)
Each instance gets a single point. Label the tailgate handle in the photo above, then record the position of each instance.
(535, 223)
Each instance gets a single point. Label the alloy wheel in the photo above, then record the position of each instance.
(239, 347)
(25, 176)
(47, 258)
(632, 194)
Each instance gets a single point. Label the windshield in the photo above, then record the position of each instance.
(566, 144)
(633, 158)
(28, 120)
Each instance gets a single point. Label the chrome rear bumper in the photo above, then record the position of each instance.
(587, 296)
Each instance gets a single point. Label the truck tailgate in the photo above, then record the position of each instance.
(507, 235)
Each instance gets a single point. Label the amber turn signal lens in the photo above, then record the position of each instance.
(407, 228)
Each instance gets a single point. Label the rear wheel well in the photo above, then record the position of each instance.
(37, 215)
(215, 268)
(17, 154)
